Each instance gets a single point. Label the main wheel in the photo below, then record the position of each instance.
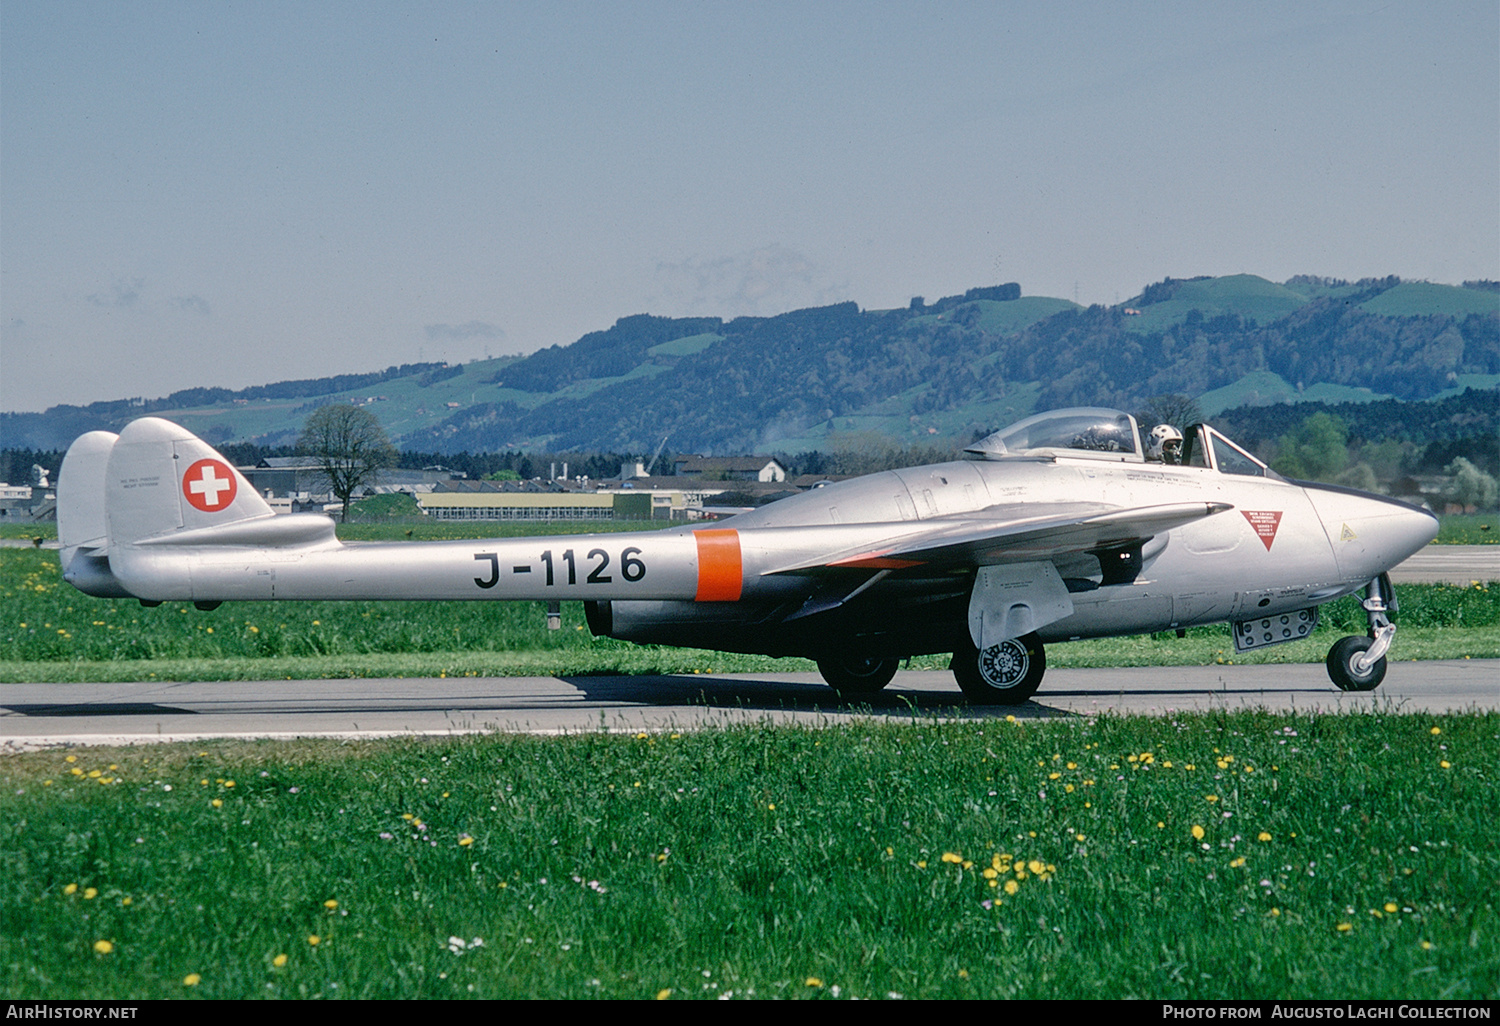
(1341, 668)
(853, 677)
(1005, 674)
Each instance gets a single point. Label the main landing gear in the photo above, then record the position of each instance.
(1005, 674)
(856, 677)
(1358, 664)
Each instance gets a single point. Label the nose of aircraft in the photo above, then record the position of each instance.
(1370, 533)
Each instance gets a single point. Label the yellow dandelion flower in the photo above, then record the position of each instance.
(465, 841)
(1262, 836)
(1078, 837)
(90, 893)
(1392, 907)
(1436, 731)
(813, 981)
(1197, 832)
(279, 961)
(949, 856)
(1237, 863)
(218, 803)
(664, 993)
(70, 889)
(314, 940)
(1011, 887)
(69, 758)
(330, 903)
(1210, 797)
(1345, 927)
(1446, 764)
(191, 980)
(104, 947)
(1427, 945)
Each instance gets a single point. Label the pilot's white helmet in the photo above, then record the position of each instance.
(1164, 439)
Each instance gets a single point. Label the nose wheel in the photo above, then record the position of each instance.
(1358, 664)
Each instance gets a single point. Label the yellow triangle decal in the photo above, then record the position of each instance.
(1346, 534)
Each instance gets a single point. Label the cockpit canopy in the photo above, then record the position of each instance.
(1091, 432)
(1102, 434)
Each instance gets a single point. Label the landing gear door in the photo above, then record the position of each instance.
(1015, 600)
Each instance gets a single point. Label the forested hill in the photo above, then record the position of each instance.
(949, 369)
(937, 373)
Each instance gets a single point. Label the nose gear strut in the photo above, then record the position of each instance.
(1358, 664)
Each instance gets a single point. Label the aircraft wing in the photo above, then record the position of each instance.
(1013, 534)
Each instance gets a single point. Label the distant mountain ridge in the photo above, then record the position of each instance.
(831, 377)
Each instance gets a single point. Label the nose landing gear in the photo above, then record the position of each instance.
(1358, 664)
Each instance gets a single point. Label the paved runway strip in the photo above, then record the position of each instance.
(33, 715)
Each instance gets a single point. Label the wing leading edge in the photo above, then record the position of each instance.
(1013, 534)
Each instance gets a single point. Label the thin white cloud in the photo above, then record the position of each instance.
(764, 281)
(191, 304)
(121, 294)
(460, 332)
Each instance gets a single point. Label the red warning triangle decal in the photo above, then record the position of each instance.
(1265, 523)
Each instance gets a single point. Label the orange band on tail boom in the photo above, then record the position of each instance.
(719, 572)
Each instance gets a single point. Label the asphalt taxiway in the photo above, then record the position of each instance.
(42, 715)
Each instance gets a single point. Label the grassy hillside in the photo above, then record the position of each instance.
(841, 377)
(1424, 299)
(1243, 294)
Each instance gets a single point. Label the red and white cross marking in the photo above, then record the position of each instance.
(209, 485)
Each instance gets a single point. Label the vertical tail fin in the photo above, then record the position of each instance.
(162, 479)
(82, 526)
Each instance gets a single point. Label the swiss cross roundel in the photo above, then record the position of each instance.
(209, 485)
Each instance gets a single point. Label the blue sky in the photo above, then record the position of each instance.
(235, 193)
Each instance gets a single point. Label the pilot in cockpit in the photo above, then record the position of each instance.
(1165, 446)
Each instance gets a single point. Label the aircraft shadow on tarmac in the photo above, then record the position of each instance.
(781, 696)
(615, 691)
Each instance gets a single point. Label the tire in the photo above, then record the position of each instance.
(1005, 674)
(855, 677)
(1341, 665)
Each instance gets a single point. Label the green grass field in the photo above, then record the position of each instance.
(1238, 855)
(49, 631)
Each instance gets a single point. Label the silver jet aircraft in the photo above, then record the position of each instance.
(1057, 528)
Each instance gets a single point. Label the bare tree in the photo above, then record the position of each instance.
(1180, 411)
(349, 445)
